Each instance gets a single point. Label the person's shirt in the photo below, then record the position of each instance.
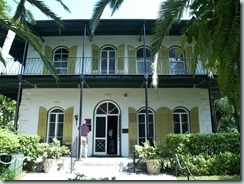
(84, 130)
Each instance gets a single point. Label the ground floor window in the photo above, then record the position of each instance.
(181, 121)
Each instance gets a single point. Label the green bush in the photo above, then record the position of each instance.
(206, 154)
(9, 142)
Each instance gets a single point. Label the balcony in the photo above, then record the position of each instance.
(101, 66)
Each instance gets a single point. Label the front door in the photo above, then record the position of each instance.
(106, 130)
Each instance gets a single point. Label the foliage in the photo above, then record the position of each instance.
(7, 110)
(148, 152)
(7, 174)
(9, 142)
(53, 150)
(206, 154)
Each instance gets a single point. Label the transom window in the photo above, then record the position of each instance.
(140, 61)
(181, 121)
(142, 127)
(176, 61)
(55, 125)
(108, 60)
(60, 60)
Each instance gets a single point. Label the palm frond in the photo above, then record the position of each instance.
(115, 5)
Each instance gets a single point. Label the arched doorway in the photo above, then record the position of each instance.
(107, 129)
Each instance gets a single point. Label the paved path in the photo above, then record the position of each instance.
(96, 168)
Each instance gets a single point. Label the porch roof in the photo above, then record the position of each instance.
(9, 84)
(75, 27)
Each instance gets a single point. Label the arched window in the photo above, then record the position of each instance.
(140, 61)
(60, 60)
(176, 61)
(55, 125)
(142, 126)
(181, 121)
(108, 60)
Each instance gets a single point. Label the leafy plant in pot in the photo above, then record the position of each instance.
(152, 154)
(51, 152)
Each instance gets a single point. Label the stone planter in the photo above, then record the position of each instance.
(152, 168)
(49, 165)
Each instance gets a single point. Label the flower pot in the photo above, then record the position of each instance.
(49, 165)
(152, 167)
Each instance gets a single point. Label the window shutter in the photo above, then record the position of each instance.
(120, 55)
(68, 125)
(48, 55)
(132, 129)
(72, 59)
(163, 60)
(188, 58)
(95, 58)
(131, 59)
(194, 120)
(42, 123)
(164, 124)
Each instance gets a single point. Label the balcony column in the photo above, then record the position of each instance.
(20, 77)
(81, 93)
(146, 79)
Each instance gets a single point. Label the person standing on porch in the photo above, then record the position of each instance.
(84, 139)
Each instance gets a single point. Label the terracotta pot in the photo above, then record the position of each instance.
(49, 165)
(152, 168)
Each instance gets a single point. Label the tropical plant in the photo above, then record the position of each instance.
(21, 21)
(214, 27)
(152, 152)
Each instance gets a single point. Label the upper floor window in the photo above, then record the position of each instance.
(55, 125)
(176, 61)
(60, 60)
(181, 121)
(140, 60)
(142, 126)
(108, 60)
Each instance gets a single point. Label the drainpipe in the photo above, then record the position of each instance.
(20, 77)
(81, 91)
(146, 78)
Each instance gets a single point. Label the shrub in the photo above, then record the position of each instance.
(9, 142)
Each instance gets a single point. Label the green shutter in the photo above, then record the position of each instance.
(188, 59)
(42, 123)
(132, 129)
(120, 55)
(68, 125)
(95, 58)
(164, 124)
(131, 59)
(163, 60)
(48, 55)
(72, 59)
(194, 120)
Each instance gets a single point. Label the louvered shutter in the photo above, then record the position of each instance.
(163, 60)
(131, 59)
(95, 58)
(120, 55)
(164, 124)
(194, 120)
(133, 135)
(188, 59)
(42, 123)
(68, 125)
(48, 55)
(72, 59)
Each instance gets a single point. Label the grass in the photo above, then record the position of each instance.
(225, 177)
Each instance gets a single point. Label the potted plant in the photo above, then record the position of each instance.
(51, 152)
(152, 154)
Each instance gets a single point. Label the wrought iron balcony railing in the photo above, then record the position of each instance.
(101, 66)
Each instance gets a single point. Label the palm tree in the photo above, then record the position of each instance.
(20, 22)
(214, 27)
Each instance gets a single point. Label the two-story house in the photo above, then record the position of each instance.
(106, 79)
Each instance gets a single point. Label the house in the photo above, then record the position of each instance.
(106, 79)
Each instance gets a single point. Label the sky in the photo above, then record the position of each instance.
(82, 9)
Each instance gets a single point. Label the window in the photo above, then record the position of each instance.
(108, 60)
(181, 121)
(60, 60)
(140, 61)
(55, 125)
(142, 127)
(176, 61)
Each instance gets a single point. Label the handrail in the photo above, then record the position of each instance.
(185, 167)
